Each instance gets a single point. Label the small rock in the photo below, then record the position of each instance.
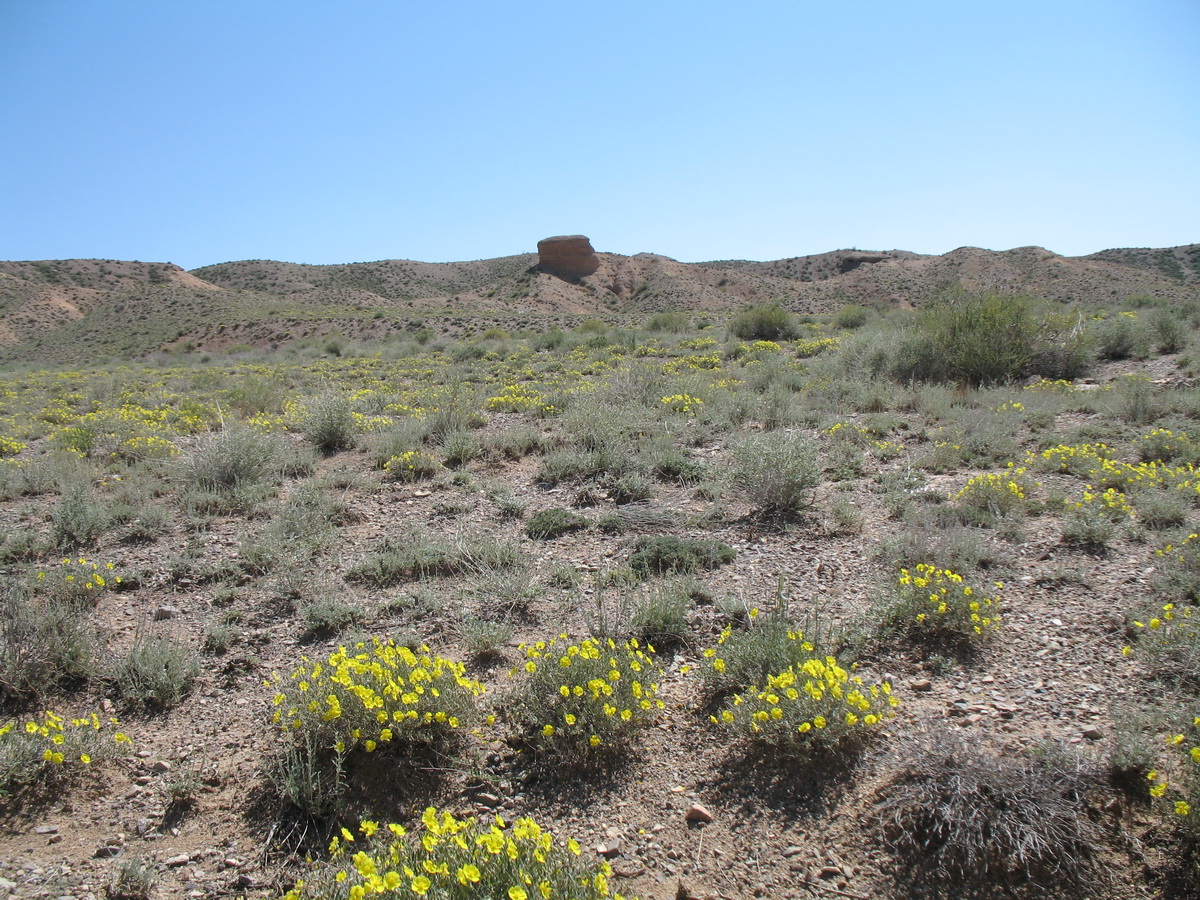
(175, 862)
(921, 684)
(160, 767)
(830, 872)
(697, 813)
(165, 611)
(7, 887)
(1093, 734)
(107, 851)
(487, 799)
(792, 851)
(46, 829)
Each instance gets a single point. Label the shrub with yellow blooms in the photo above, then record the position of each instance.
(814, 703)
(584, 695)
(997, 493)
(940, 604)
(51, 748)
(373, 694)
(1179, 791)
(76, 580)
(1169, 640)
(455, 859)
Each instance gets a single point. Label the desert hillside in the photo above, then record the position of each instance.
(64, 309)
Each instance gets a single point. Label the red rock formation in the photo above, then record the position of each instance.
(568, 256)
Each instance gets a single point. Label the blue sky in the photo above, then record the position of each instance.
(321, 132)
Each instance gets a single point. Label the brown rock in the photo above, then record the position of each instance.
(568, 256)
(697, 813)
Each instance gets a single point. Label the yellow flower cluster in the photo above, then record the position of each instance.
(456, 859)
(708, 361)
(807, 347)
(375, 694)
(816, 701)
(516, 398)
(52, 745)
(11, 446)
(1044, 384)
(1001, 493)
(412, 465)
(586, 693)
(76, 579)
(700, 343)
(1109, 504)
(1186, 783)
(939, 601)
(683, 403)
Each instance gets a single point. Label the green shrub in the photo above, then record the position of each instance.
(45, 642)
(574, 697)
(764, 322)
(157, 671)
(328, 423)
(980, 340)
(77, 519)
(237, 457)
(666, 554)
(551, 523)
(417, 554)
(777, 472)
(459, 448)
(659, 613)
(412, 465)
(456, 859)
(851, 317)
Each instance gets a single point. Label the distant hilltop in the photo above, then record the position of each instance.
(59, 310)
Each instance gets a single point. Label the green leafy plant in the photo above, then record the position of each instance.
(665, 554)
(551, 523)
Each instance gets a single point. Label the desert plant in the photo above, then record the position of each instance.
(374, 694)
(777, 472)
(328, 423)
(666, 554)
(958, 815)
(573, 697)
(456, 859)
(764, 322)
(940, 605)
(132, 878)
(45, 642)
(49, 750)
(157, 671)
(551, 523)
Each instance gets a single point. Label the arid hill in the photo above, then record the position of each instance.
(62, 309)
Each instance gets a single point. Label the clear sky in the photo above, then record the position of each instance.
(321, 132)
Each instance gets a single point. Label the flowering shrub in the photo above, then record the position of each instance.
(1171, 640)
(412, 465)
(455, 859)
(1110, 504)
(814, 702)
(586, 694)
(938, 603)
(516, 398)
(683, 403)
(11, 446)
(996, 493)
(75, 580)
(52, 748)
(806, 347)
(376, 694)
(1181, 793)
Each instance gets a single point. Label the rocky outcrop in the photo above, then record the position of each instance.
(853, 260)
(568, 256)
